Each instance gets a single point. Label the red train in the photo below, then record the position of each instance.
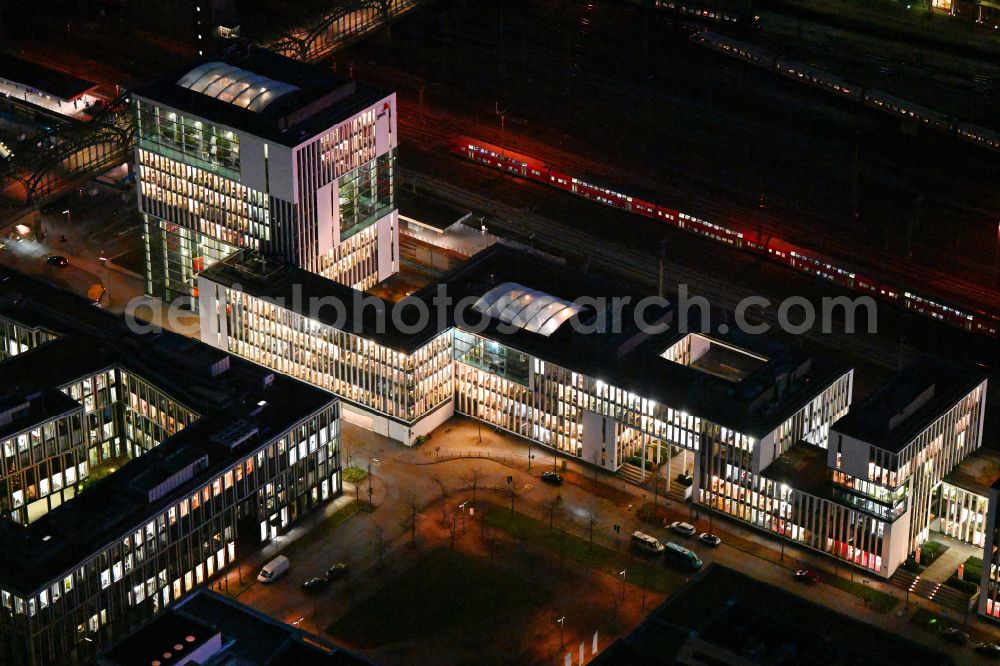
(797, 257)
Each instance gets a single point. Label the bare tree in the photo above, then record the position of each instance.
(443, 490)
(593, 518)
(379, 536)
(347, 453)
(474, 479)
(453, 528)
(552, 504)
(512, 490)
(411, 518)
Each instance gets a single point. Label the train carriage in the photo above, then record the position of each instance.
(796, 257)
(501, 158)
(817, 77)
(907, 109)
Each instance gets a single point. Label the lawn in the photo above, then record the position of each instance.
(878, 601)
(354, 474)
(316, 533)
(652, 574)
(443, 589)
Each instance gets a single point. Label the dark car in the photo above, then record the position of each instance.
(709, 539)
(807, 576)
(552, 477)
(336, 571)
(991, 650)
(317, 584)
(955, 635)
(57, 260)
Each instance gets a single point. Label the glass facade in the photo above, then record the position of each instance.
(366, 194)
(399, 385)
(202, 201)
(187, 543)
(15, 338)
(174, 258)
(186, 139)
(41, 467)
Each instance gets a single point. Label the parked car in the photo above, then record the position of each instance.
(57, 260)
(687, 529)
(273, 570)
(646, 543)
(955, 635)
(317, 584)
(338, 570)
(553, 478)
(709, 539)
(807, 576)
(675, 553)
(991, 650)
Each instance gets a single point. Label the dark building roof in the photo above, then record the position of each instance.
(623, 355)
(226, 632)
(43, 79)
(236, 400)
(977, 472)
(723, 616)
(914, 398)
(803, 467)
(320, 99)
(27, 410)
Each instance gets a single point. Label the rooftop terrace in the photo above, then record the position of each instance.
(262, 93)
(896, 413)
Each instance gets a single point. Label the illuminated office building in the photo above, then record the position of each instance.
(750, 419)
(134, 468)
(259, 151)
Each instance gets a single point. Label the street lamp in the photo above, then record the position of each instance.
(622, 574)
(561, 621)
(69, 217)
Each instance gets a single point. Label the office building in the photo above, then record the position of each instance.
(749, 418)
(212, 629)
(254, 150)
(136, 467)
(723, 616)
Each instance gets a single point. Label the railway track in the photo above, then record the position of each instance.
(701, 198)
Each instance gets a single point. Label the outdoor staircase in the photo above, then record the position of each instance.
(928, 589)
(633, 474)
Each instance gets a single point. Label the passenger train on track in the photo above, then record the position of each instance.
(799, 258)
(820, 78)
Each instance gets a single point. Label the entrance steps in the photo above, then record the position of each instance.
(633, 474)
(928, 589)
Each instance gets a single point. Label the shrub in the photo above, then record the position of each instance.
(354, 474)
(963, 585)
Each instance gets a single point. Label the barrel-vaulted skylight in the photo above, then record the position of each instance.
(528, 309)
(234, 85)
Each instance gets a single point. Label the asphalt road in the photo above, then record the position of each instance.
(402, 471)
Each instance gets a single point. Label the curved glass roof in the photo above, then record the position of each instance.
(528, 309)
(234, 85)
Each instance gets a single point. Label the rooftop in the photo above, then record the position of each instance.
(977, 472)
(893, 416)
(262, 93)
(43, 79)
(716, 618)
(594, 341)
(241, 405)
(803, 467)
(223, 631)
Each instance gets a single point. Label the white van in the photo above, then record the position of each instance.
(646, 543)
(273, 570)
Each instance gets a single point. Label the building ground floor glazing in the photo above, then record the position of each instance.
(196, 537)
